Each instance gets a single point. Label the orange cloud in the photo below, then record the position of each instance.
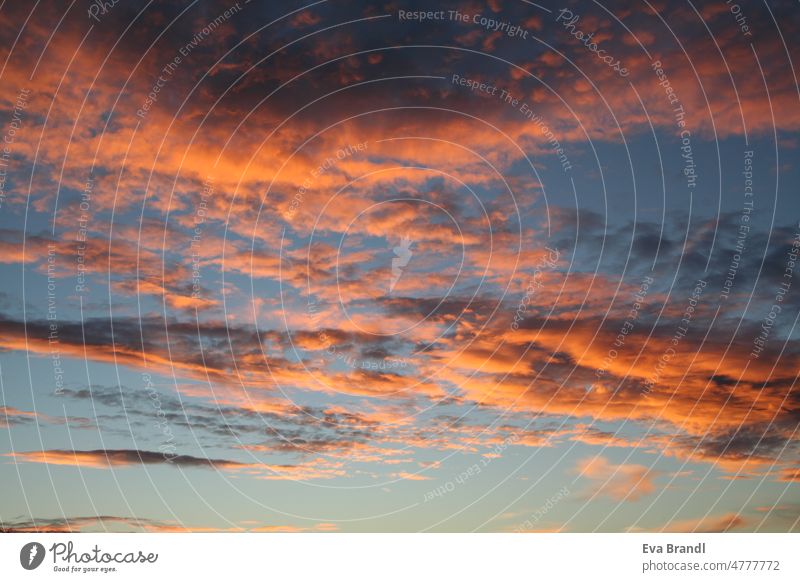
(628, 482)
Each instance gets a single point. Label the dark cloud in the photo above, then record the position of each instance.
(124, 457)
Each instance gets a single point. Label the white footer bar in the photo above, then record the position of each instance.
(401, 557)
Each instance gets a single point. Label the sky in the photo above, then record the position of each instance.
(499, 266)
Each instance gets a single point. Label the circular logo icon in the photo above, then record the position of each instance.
(31, 555)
